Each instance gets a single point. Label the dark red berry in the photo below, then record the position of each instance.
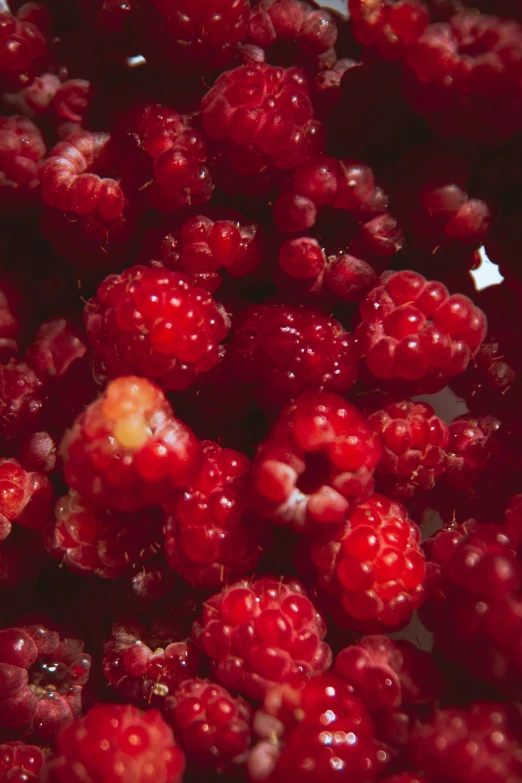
(25, 498)
(20, 762)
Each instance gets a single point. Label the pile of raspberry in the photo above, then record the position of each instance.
(260, 384)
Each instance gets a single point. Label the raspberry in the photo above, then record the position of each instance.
(292, 31)
(325, 732)
(126, 451)
(284, 351)
(474, 450)
(198, 35)
(386, 674)
(387, 26)
(42, 680)
(373, 567)
(38, 452)
(155, 323)
(20, 399)
(67, 101)
(414, 440)
(412, 329)
(264, 117)
(25, 498)
(146, 666)
(56, 346)
(20, 762)
(22, 49)
(260, 633)
(465, 76)
(108, 543)
(213, 726)
(22, 149)
(118, 741)
(461, 745)
(9, 321)
(316, 463)
(212, 534)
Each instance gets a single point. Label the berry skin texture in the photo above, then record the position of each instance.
(213, 727)
(285, 350)
(118, 742)
(387, 26)
(20, 762)
(42, 681)
(411, 329)
(155, 323)
(471, 744)
(465, 76)
(108, 543)
(373, 567)
(20, 399)
(265, 114)
(323, 732)
(127, 451)
(212, 534)
(414, 440)
(146, 666)
(317, 462)
(261, 633)
(386, 674)
(474, 451)
(25, 498)
(22, 47)
(22, 150)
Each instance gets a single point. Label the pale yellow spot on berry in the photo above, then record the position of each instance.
(132, 432)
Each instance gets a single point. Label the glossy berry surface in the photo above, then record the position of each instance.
(25, 498)
(260, 633)
(372, 567)
(20, 762)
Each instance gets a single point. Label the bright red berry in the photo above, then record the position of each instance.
(25, 498)
(373, 567)
(387, 26)
(20, 763)
(260, 633)
(22, 149)
(22, 49)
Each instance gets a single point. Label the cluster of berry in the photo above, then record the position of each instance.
(241, 539)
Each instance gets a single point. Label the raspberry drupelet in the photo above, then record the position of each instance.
(127, 451)
(414, 440)
(474, 451)
(145, 665)
(388, 27)
(480, 742)
(261, 633)
(283, 351)
(59, 101)
(372, 568)
(42, 681)
(212, 533)
(22, 49)
(263, 116)
(118, 742)
(200, 35)
(20, 763)
(318, 730)
(108, 543)
(316, 463)
(21, 399)
(155, 323)
(25, 497)
(212, 726)
(22, 149)
(464, 76)
(411, 329)
(387, 674)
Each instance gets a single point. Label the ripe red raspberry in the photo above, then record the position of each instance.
(387, 674)
(316, 463)
(22, 49)
(107, 543)
(155, 323)
(56, 346)
(414, 440)
(203, 248)
(474, 450)
(146, 665)
(388, 26)
(118, 741)
(260, 633)
(22, 150)
(465, 76)
(198, 35)
(373, 567)
(21, 399)
(412, 329)
(20, 763)
(126, 451)
(59, 101)
(292, 31)
(480, 742)
(285, 350)
(212, 534)
(264, 116)
(319, 730)
(42, 680)
(213, 727)
(25, 498)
